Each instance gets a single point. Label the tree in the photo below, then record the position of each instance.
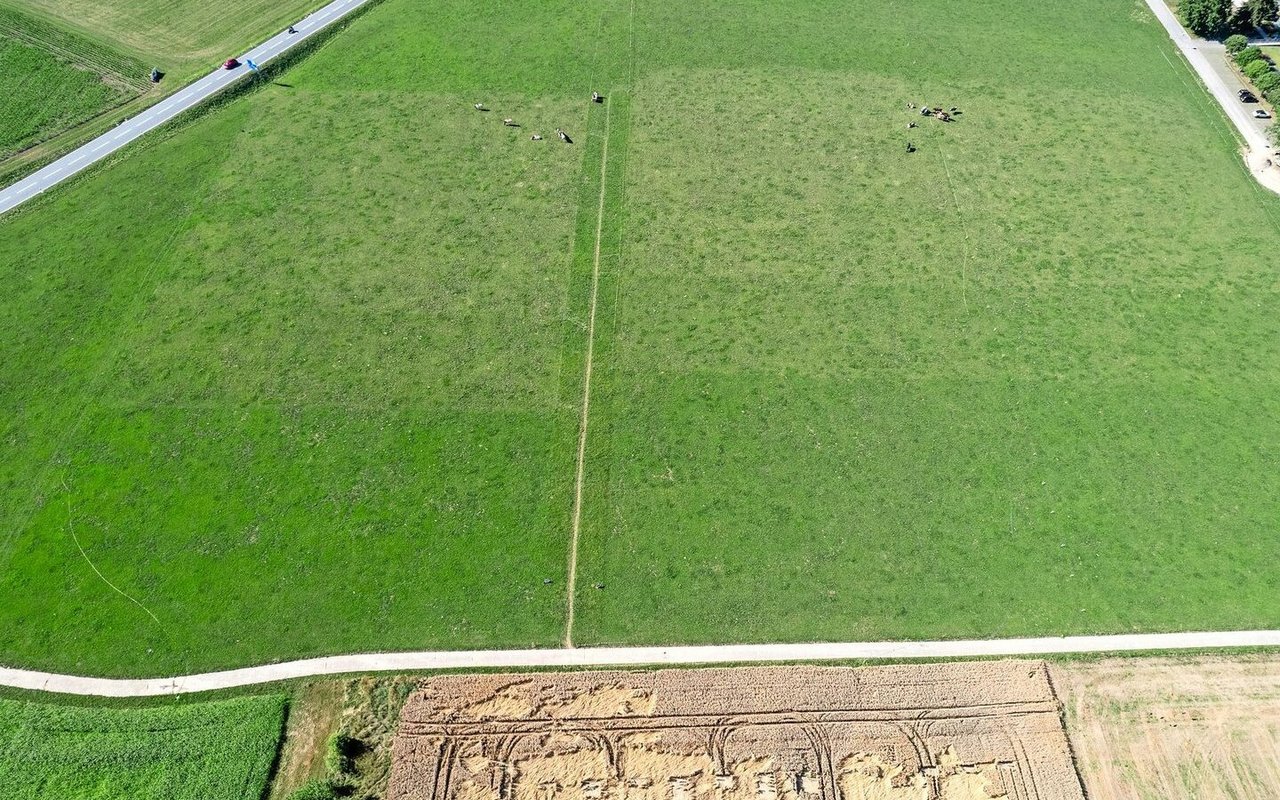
(1236, 43)
(1206, 18)
(1261, 12)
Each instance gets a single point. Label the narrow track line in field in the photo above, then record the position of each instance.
(94, 567)
(964, 226)
(571, 587)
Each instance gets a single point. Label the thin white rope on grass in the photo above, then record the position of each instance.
(964, 226)
(71, 528)
(578, 480)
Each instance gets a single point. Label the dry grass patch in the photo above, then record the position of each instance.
(1162, 728)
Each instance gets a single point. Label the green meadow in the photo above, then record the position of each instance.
(304, 375)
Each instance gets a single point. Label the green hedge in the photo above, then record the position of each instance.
(1267, 82)
(1247, 55)
(1256, 69)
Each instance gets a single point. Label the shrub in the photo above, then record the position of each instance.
(314, 790)
(1256, 69)
(1273, 96)
(1248, 55)
(1273, 133)
(1267, 81)
(340, 754)
(1236, 43)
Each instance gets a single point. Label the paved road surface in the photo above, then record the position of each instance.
(1239, 114)
(631, 656)
(170, 107)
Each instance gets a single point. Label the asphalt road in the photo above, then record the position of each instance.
(1239, 114)
(173, 105)
(632, 656)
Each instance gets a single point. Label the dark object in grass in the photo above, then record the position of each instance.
(546, 581)
(564, 137)
(911, 148)
(596, 97)
(598, 585)
(537, 137)
(479, 107)
(510, 123)
(156, 74)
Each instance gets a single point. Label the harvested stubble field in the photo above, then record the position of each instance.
(942, 732)
(1157, 729)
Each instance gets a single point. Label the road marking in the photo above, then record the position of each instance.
(571, 587)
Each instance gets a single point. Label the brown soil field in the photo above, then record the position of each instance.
(1204, 728)
(972, 731)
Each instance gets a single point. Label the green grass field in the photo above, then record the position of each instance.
(203, 751)
(305, 376)
(51, 80)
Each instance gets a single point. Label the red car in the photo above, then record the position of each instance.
(230, 63)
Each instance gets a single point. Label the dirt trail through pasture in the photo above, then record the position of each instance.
(1205, 728)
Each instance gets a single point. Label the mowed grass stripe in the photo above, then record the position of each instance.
(600, 202)
(586, 385)
(606, 252)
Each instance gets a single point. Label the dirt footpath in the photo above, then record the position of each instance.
(971, 731)
(1175, 728)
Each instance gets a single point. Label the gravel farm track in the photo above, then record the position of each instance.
(632, 656)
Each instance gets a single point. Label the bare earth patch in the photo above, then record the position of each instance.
(915, 732)
(1206, 728)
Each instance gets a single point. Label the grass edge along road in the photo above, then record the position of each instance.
(186, 99)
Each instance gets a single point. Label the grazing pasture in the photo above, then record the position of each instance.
(305, 375)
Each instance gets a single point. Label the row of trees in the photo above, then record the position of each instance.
(1256, 67)
(1213, 18)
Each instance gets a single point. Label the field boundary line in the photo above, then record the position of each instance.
(634, 657)
(579, 476)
